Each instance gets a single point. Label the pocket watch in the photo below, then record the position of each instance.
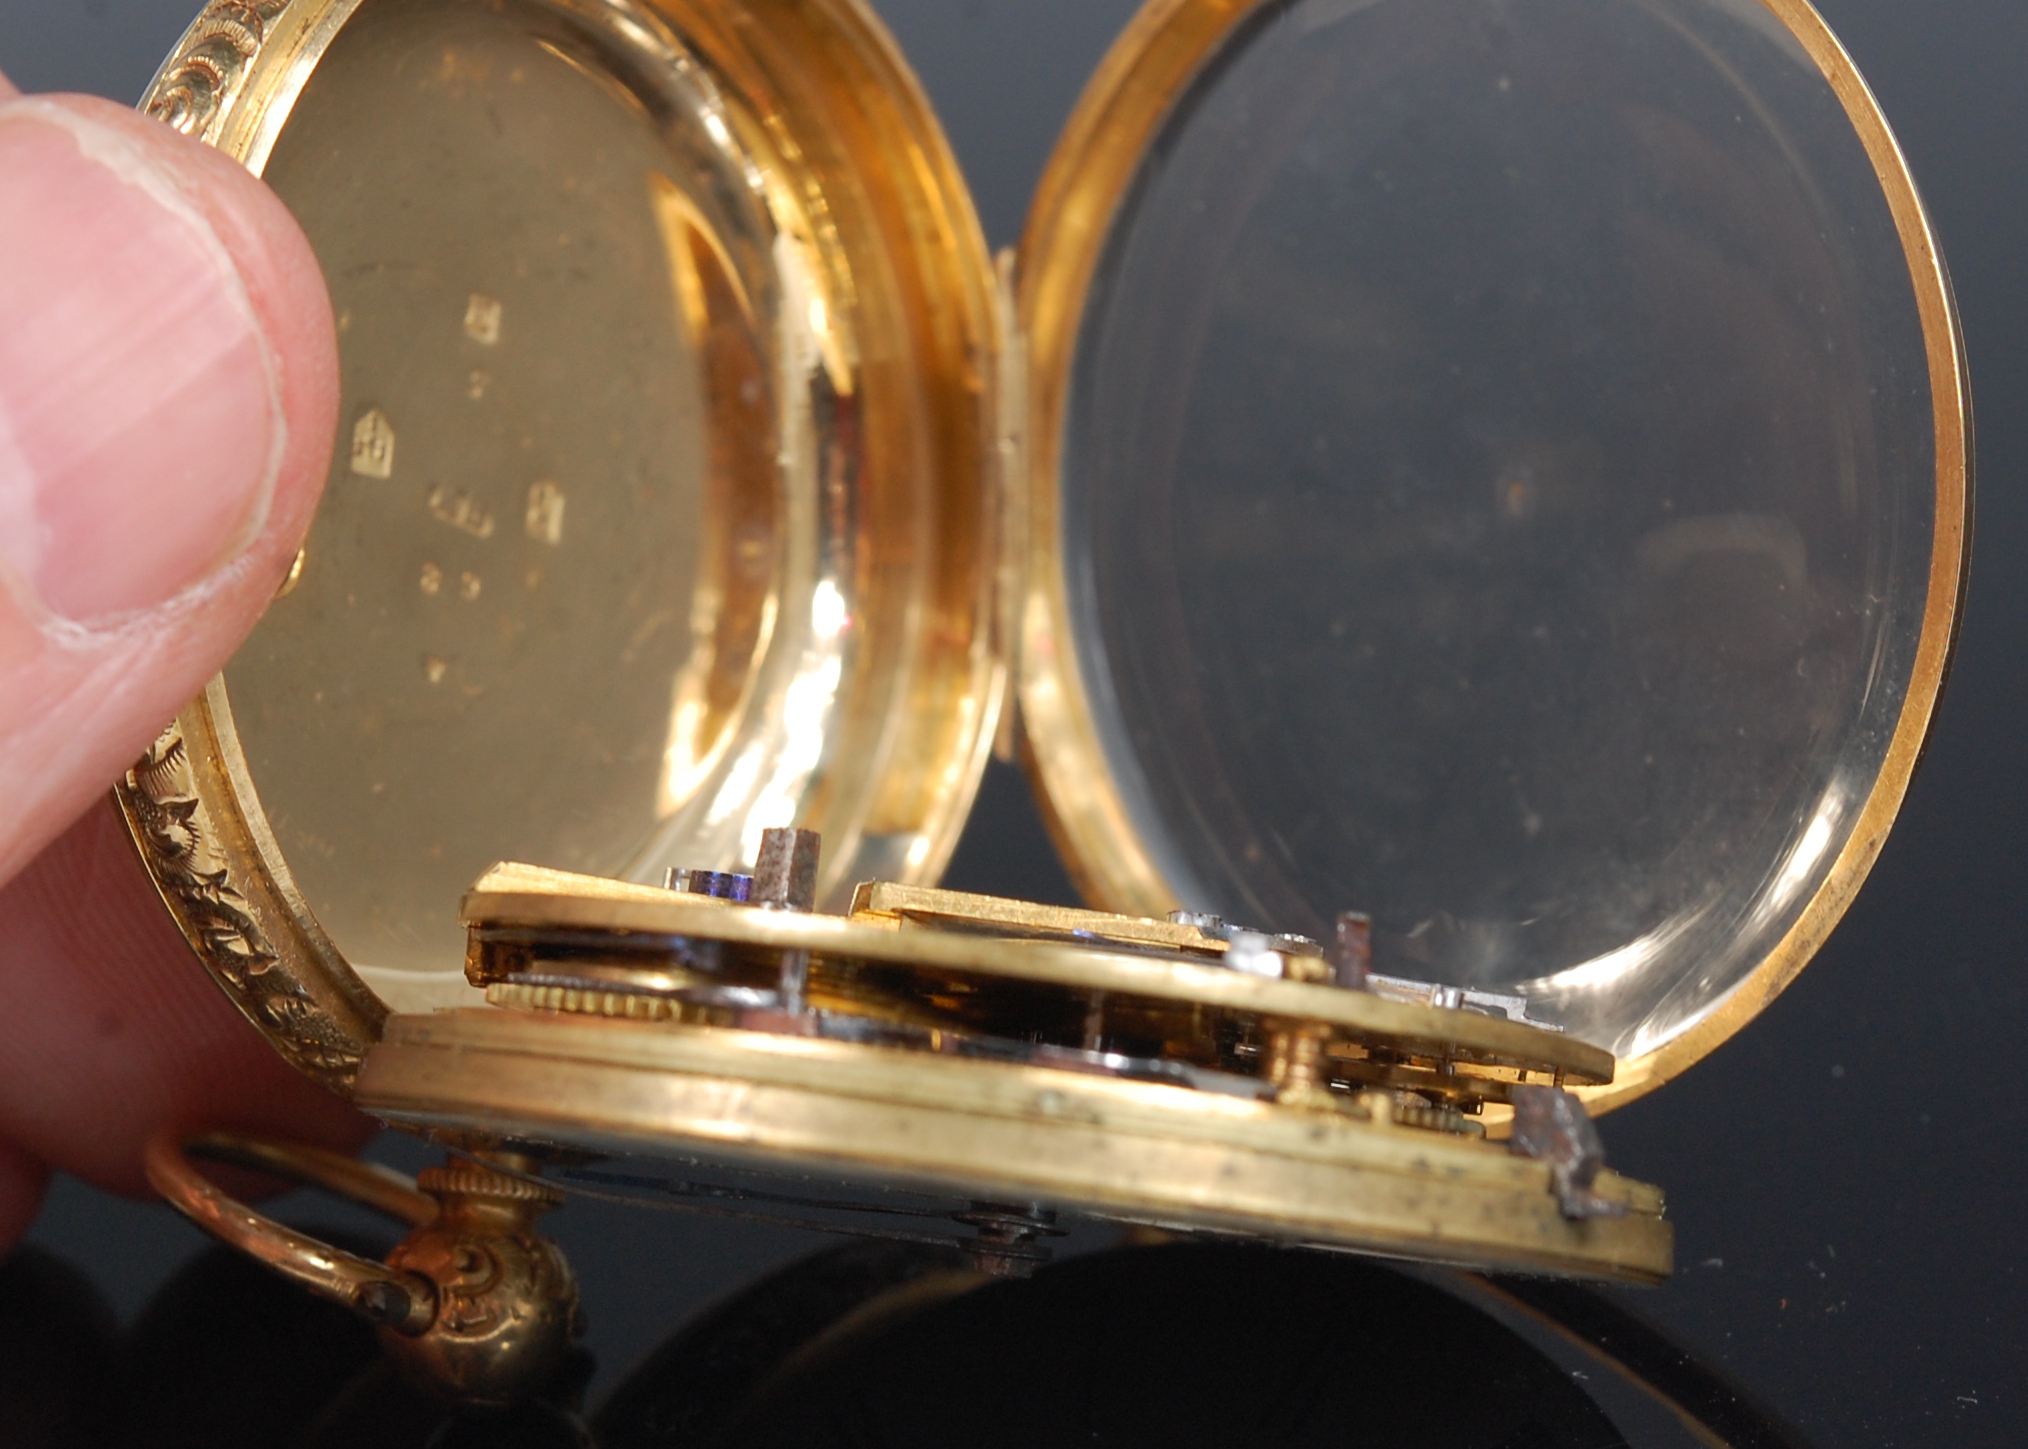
(1461, 508)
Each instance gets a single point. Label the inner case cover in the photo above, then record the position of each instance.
(659, 510)
(1500, 467)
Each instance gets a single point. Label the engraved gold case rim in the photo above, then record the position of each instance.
(1088, 176)
(192, 805)
(1131, 1151)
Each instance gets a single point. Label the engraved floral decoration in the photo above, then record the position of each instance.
(212, 61)
(171, 836)
(170, 824)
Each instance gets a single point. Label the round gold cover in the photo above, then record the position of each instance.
(660, 512)
(1503, 468)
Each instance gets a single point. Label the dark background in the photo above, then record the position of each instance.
(1848, 1177)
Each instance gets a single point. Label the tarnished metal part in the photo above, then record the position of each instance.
(785, 875)
(1551, 1125)
(723, 885)
(785, 879)
(507, 1301)
(1352, 950)
(1005, 1246)
(795, 982)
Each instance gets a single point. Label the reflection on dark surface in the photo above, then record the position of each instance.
(890, 1344)
(1185, 1345)
(1498, 489)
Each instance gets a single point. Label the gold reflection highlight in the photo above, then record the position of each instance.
(733, 607)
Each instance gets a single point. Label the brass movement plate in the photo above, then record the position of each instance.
(531, 918)
(983, 1056)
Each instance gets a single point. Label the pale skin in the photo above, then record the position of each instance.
(168, 391)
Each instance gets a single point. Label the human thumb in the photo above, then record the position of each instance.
(168, 389)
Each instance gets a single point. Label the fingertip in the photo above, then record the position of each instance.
(168, 397)
(273, 261)
(285, 282)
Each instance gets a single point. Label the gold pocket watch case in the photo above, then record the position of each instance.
(1503, 469)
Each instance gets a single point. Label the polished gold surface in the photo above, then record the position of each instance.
(884, 902)
(1131, 1150)
(1950, 385)
(388, 1294)
(1173, 46)
(661, 511)
(231, 79)
(473, 1304)
(1089, 172)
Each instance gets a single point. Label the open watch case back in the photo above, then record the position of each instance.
(1503, 469)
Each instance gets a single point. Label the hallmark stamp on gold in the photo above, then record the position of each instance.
(482, 319)
(461, 511)
(544, 519)
(373, 445)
